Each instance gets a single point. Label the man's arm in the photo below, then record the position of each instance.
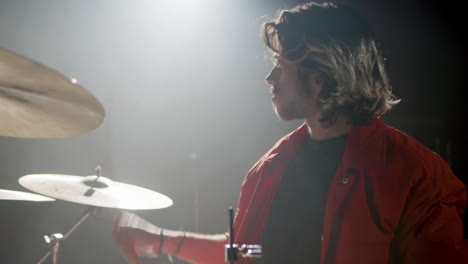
(137, 237)
(431, 227)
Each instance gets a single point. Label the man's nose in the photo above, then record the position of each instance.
(269, 78)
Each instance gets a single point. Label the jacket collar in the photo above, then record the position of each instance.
(286, 146)
(365, 146)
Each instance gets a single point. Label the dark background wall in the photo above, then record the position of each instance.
(187, 109)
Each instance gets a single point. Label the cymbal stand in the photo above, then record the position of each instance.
(54, 240)
(233, 251)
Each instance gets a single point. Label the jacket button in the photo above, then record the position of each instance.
(345, 180)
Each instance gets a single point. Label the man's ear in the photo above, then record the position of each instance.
(317, 79)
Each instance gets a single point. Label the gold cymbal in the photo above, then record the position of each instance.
(99, 192)
(37, 102)
(23, 196)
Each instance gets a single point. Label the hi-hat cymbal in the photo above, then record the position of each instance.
(37, 102)
(23, 196)
(102, 192)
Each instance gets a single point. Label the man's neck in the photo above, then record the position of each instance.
(318, 132)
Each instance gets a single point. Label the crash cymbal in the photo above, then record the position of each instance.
(23, 196)
(102, 192)
(37, 102)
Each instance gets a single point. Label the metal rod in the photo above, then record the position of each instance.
(44, 257)
(78, 223)
(56, 249)
(231, 228)
(55, 243)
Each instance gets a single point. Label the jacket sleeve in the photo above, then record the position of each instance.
(246, 194)
(431, 227)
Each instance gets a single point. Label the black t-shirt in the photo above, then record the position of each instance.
(294, 229)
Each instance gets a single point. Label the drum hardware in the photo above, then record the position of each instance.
(38, 102)
(23, 196)
(233, 251)
(95, 191)
(55, 239)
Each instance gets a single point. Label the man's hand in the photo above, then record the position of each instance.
(137, 237)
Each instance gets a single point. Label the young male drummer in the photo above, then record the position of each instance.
(342, 188)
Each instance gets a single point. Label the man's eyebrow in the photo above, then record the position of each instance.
(274, 58)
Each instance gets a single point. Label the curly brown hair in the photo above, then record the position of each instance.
(337, 43)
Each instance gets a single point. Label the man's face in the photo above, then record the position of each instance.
(290, 99)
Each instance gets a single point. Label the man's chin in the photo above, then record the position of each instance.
(283, 116)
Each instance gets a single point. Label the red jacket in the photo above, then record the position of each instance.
(391, 200)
